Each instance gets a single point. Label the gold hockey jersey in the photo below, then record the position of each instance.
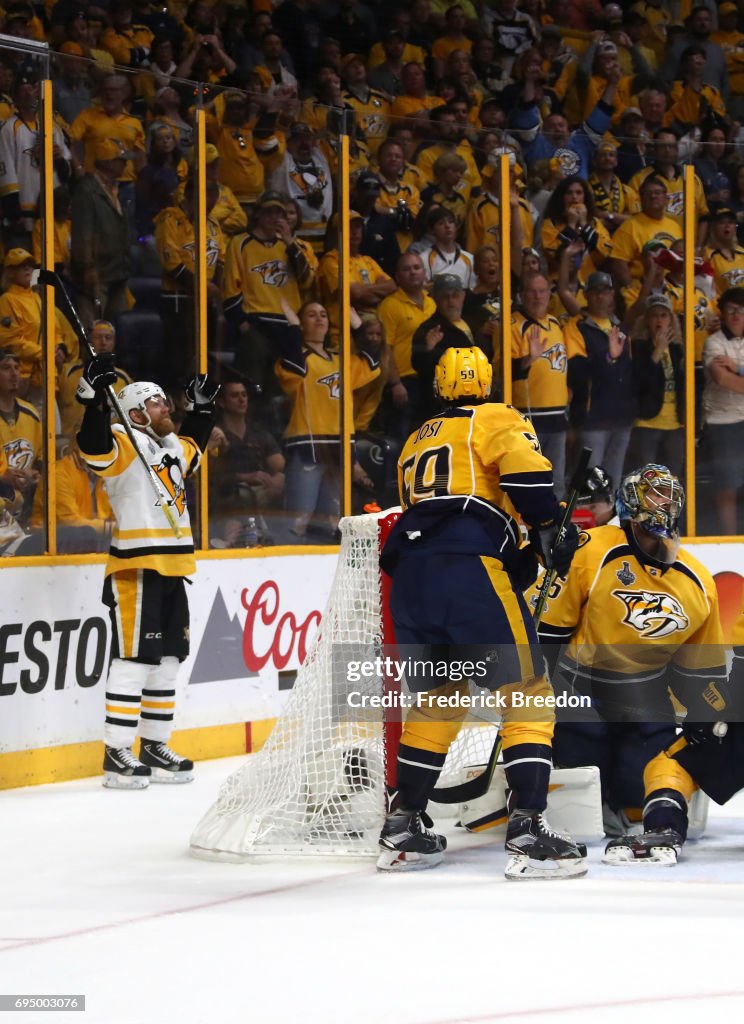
(626, 620)
(21, 436)
(312, 380)
(540, 390)
(488, 453)
(142, 538)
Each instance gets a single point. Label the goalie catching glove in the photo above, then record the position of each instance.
(98, 375)
(201, 393)
(555, 547)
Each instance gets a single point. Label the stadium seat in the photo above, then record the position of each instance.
(139, 344)
(146, 292)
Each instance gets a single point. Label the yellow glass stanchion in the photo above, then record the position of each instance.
(347, 394)
(506, 297)
(200, 239)
(689, 340)
(48, 318)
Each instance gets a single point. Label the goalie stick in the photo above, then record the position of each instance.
(474, 788)
(162, 499)
(577, 484)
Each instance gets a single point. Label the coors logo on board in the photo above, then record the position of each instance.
(272, 636)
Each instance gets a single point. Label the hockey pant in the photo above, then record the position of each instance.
(456, 608)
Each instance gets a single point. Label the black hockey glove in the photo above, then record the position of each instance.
(524, 572)
(552, 553)
(201, 393)
(98, 375)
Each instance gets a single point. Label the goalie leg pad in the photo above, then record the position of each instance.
(574, 804)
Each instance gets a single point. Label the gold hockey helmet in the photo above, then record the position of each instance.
(463, 373)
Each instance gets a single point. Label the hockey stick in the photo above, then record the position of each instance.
(162, 499)
(577, 483)
(474, 788)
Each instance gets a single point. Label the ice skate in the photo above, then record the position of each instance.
(538, 851)
(122, 770)
(166, 765)
(659, 847)
(407, 844)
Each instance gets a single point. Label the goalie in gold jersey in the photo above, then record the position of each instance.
(467, 477)
(640, 617)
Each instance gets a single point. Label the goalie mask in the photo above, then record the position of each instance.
(463, 373)
(652, 499)
(134, 396)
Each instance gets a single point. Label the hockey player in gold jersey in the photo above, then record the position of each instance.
(467, 477)
(640, 617)
(144, 580)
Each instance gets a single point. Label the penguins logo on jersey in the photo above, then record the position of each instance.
(652, 614)
(273, 273)
(308, 182)
(556, 356)
(331, 381)
(169, 473)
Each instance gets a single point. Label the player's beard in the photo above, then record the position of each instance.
(662, 549)
(164, 427)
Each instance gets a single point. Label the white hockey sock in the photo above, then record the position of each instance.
(159, 701)
(124, 686)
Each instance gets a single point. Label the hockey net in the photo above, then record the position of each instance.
(318, 784)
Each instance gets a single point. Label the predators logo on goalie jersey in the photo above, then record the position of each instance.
(666, 617)
(652, 614)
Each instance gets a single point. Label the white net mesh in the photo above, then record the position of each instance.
(318, 784)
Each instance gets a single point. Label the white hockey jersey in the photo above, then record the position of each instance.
(20, 160)
(299, 182)
(142, 538)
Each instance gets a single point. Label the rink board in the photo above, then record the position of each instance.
(252, 619)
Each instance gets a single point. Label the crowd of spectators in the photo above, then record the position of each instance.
(597, 107)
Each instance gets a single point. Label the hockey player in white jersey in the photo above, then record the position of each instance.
(144, 583)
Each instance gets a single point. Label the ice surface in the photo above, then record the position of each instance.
(99, 895)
